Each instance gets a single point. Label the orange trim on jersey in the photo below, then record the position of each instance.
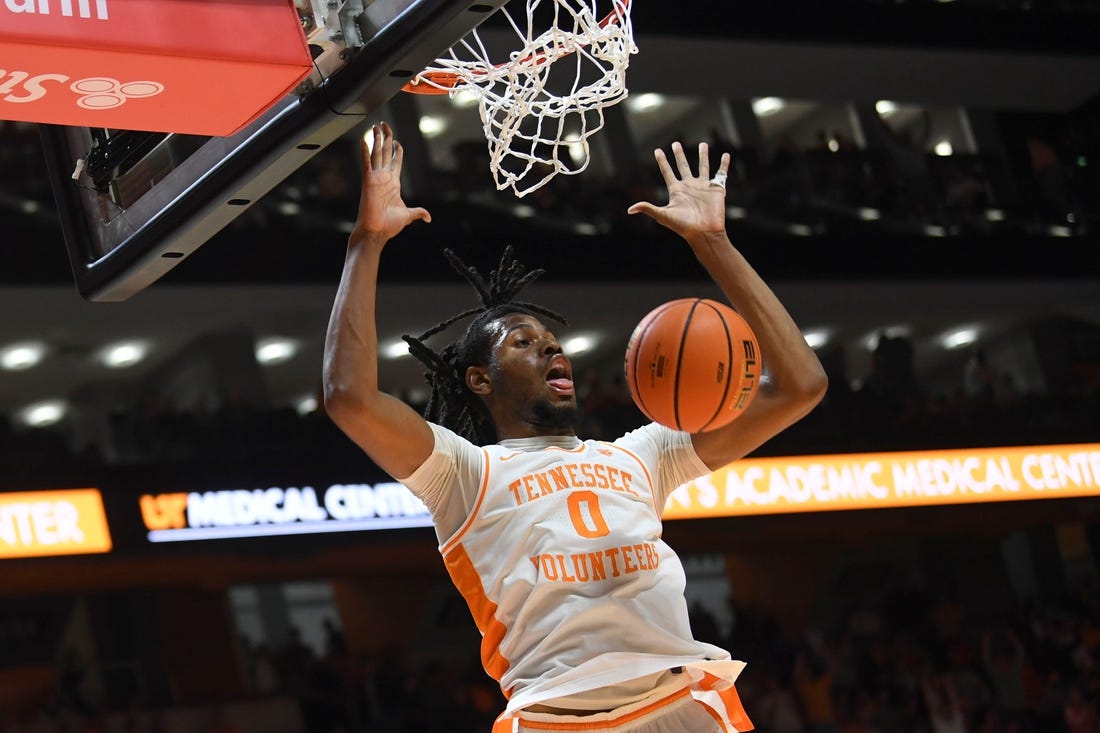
(605, 724)
(468, 582)
(645, 470)
(481, 490)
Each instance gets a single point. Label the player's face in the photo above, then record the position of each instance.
(532, 378)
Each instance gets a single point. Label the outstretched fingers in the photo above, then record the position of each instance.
(681, 161)
(364, 153)
(719, 180)
(683, 167)
(382, 148)
(663, 165)
(398, 157)
(704, 161)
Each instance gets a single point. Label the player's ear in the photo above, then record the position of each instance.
(478, 380)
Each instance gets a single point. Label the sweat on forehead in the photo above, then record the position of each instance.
(513, 321)
(493, 318)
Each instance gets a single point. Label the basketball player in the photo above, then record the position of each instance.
(556, 542)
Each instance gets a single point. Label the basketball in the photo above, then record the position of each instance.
(693, 364)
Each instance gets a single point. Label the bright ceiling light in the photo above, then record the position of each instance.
(646, 102)
(432, 126)
(123, 354)
(289, 208)
(885, 107)
(305, 404)
(42, 414)
(579, 344)
(463, 98)
(22, 355)
(765, 106)
(959, 338)
(869, 214)
(523, 211)
(395, 349)
(816, 338)
(578, 149)
(275, 350)
(944, 148)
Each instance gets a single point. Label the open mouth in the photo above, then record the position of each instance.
(560, 376)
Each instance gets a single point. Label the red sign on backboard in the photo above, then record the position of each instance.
(202, 67)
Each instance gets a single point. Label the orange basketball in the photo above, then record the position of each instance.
(693, 364)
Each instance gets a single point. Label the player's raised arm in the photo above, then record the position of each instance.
(795, 380)
(392, 433)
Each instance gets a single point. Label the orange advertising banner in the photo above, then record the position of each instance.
(41, 523)
(883, 480)
(189, 66)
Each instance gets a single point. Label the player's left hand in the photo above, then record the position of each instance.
(382, 211)
(696, 203)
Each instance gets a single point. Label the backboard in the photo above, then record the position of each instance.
(134, 204)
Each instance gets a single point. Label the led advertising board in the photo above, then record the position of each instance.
(44, 523)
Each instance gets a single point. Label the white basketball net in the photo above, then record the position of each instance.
(535, 132)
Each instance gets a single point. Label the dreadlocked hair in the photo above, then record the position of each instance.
(451, 403)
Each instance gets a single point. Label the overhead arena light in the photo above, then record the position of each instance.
(578, 150)
(646, 102)
(23, 355)
(464, 99)
(275, 350)
(122, 354)
(42, 414)
(959, 337)
(431, 126)
(395, 349)
(579, 344)
(885, 107)
(816, 338)
(765, 106)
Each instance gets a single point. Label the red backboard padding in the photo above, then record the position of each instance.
(201, 67)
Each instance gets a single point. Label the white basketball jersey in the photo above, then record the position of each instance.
(561, 561)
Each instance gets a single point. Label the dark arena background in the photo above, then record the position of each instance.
(188, 545)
